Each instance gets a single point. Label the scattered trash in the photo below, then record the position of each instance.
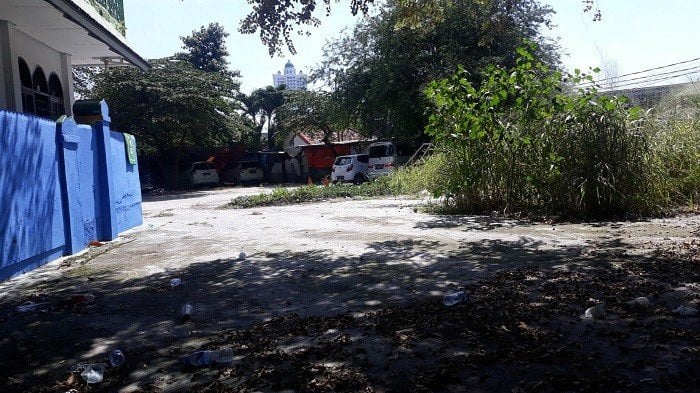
(686, 311)
(242, 256)
(198, 359)
(597, 312)
(95, 243)
(116, 358)
(175, 282)
(186, 311)
(93, 373)
(83, 297)
(641, 301)
(221, 357)
(31, 307)
(454, 298)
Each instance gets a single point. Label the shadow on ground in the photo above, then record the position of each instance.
(321, 323)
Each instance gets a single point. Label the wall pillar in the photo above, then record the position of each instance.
(108, 211)
(8, 70)
(67, 142)
(67, 83)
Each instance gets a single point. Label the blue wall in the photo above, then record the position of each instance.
(31, 214)
(62, 185)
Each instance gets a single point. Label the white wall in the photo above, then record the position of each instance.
(7, 97)
(36, 53)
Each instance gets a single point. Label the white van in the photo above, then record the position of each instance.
(382, 159)
(198, 173)
(350, 168)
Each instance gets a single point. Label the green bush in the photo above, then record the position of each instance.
(524, 141)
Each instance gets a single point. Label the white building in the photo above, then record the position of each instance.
(40, 42)
(290, 79)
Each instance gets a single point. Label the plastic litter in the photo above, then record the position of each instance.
(220, 357)
(31, 306)
(83, 297)
(454, 298)
(116, 358)
(597, 312)
(641, 301)
(175, 282)
(199, 358)
(686, 311)
(93, 373)
(242, 256)
(223, 356)
(186, 310)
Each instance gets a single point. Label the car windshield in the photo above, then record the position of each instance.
(249, 164)
(203, 166)
(343, 161)
(380, 151)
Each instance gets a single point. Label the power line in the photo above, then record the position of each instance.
(643, 71)
(638, 84)
(642, 79)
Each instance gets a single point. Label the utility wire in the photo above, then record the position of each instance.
(643, 71)
(640, 83)
(642, 79)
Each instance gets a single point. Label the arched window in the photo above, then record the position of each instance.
(25, 78)
(24, 75)
(56, 96)
(41, 93)
(39, 80)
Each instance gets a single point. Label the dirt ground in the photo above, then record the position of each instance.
(346, 296)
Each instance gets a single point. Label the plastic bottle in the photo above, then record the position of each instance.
(454, 298)
(116, 358)
(186, 310)
(93, 373)
(175, 282)
(199, 358)
(223, 356)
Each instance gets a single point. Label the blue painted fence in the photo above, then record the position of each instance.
(62, 185)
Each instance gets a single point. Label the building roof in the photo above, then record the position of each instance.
(289, 64)
(74, 27)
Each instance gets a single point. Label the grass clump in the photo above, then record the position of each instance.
(303, 194)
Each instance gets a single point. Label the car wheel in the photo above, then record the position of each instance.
(359, 179)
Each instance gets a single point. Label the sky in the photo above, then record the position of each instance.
(633, 35)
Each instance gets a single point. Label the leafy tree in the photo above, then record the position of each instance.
(206, 49)
(170, 106)
(380, 71)
(311, 113)
(84, 80)
(260, 107)
(275, 20)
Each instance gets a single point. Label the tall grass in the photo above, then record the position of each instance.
(522, 141)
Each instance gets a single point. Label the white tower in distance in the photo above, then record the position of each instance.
(290, 79)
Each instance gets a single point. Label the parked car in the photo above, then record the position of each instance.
(382, 158)
(198, 173)
(244, 171)
(352, 168)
